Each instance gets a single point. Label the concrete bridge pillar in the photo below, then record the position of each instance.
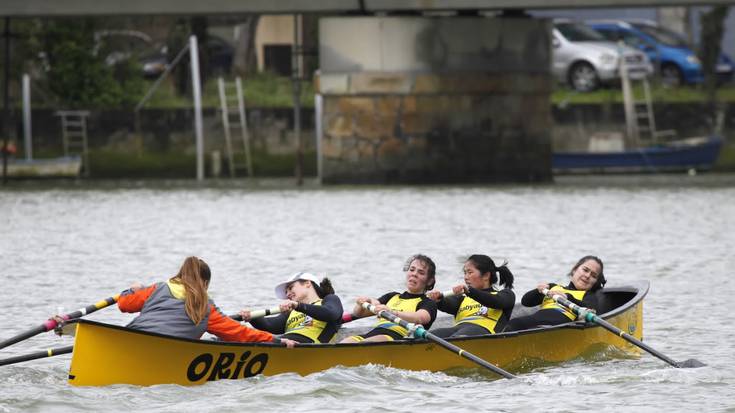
(431, 100)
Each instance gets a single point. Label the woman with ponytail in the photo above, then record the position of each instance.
(483, 304)
(586, 278)
(311, 313)
(180, 307)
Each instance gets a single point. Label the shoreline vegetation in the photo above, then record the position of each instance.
(270, 91)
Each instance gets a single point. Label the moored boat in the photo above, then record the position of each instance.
(683, 155)
(63, 167)
(106, 354)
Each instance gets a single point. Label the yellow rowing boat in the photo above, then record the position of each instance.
(106, 354)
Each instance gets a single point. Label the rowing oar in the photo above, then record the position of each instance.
(589, 316)
(38, 355)
(50, 324)
(258, 313)
(419, 331)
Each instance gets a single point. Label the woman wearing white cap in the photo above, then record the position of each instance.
(311, 312)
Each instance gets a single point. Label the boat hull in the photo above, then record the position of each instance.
(694, 153)
(64, 167)
(105, 354)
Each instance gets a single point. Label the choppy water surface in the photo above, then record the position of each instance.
(72, 245)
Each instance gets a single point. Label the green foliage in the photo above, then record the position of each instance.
(261, 90)
(265, 164)
(106, 163)
(78, 75)
(658, 93)
(726, 160)
(116, 164)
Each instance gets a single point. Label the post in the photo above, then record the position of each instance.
(5, 129)
(27, 116)
(318, 109)
(631, 121)
(296, 79)
(197, 92)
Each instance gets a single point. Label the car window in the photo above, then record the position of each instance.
(661, 35)
(633, 40)
(575, 32)
(609, 34)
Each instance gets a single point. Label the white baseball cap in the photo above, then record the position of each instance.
(305, 276)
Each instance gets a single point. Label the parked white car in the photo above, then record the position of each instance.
(584, 59)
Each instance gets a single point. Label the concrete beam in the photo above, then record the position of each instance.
(54, 8)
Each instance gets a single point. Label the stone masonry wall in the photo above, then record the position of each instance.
(476, 112)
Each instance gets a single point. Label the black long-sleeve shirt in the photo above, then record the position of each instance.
(503, 300)
(534, 297)
(329, 311)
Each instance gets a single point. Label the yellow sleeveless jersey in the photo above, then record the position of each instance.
(396, 303)
(471, 311)
(300, 323)
(549, 303)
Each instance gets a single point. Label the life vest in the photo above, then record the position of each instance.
(300, 323)
(396, 303)
(549, 303)
(165, 312)
(471, 311)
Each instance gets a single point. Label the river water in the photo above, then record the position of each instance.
(67, 245)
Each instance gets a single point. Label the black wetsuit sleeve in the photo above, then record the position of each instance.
(589, 300)
(533, 297)
(449, 305)
(428, 305)
(502, 300)
(274, 325)
(386, 297)
(330, 310)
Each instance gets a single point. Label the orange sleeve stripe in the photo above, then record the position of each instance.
(133, 302)
(230, 330)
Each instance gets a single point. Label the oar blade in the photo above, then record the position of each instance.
(690, 364)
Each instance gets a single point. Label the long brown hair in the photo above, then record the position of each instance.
(194, 275)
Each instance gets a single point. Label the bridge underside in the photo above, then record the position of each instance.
(33, 8)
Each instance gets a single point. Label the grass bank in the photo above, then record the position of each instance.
(108, 164)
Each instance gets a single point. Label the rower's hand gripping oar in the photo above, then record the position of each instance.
(419, 331)
(589, 315)
(51, 323)
(347, 316)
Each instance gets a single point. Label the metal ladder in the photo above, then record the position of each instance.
(74, 135)
(227, 97)
(639, 118)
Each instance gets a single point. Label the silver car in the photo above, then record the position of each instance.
(584, 59)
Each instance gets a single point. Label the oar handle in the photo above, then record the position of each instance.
(51, 323)
(258, 313)
(590, 316)
(419, 331)
(38, 355)
(584, 313)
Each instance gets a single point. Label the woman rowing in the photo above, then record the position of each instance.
(483, 304)
(311, 313)
(411, 305)
(586, 278)
(180, 307)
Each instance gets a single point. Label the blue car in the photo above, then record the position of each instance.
(668, 50)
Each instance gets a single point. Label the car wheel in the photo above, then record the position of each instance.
(583, 77)
(671, 75)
